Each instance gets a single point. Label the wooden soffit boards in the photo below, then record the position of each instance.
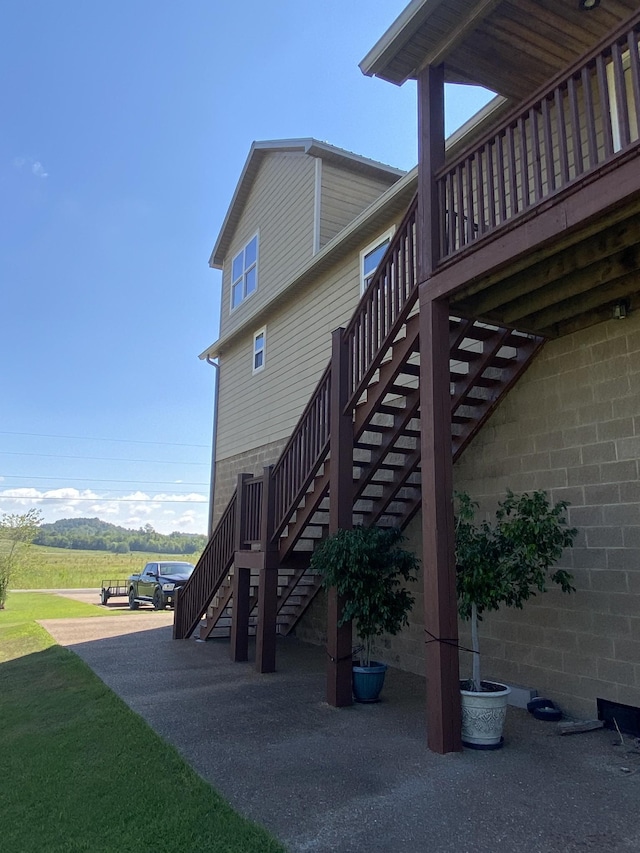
(568, 285)
(512, 47)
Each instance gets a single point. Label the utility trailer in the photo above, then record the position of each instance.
(112, 588)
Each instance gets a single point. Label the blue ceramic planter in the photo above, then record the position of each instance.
(368, 681)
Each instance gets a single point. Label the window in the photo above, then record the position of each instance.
(371, 257)
(259, 344)
(244, 273)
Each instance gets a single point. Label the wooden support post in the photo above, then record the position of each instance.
(267, 584)
(438, 559)
(431, 154)
(339, 639)
(239, 650)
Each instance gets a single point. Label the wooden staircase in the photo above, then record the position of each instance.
(296, 589)
(382, 347)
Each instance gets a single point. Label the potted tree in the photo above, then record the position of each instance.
(503, 564)
(369, 569)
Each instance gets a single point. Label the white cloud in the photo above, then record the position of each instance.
(37, 169)
(166, 512)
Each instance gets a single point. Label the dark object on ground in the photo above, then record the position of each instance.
(544, 709)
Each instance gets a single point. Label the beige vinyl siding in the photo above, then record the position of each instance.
(344, 195)
(263, 408)
(280, 208)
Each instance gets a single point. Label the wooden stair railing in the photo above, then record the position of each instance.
(211, 569)
(383, 344)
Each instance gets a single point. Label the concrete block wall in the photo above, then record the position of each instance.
(572, 427)
(251, 462)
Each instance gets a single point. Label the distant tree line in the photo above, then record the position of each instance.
(92, 534)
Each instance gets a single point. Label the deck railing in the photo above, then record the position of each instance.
(250, 529)
(303, 454)
(216, 560)
(582, 121)
(384, 303)
(373, 325)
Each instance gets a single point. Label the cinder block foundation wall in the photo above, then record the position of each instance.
(571, 426)
(251, 462)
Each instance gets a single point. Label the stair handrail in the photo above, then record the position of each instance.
(384, 306)
(214, 563)
(303, 454)
(393, 287)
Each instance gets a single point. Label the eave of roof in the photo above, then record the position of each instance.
(407, 23)
(308, 145)
(513, 47)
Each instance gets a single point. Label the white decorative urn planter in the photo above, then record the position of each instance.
(483, 715)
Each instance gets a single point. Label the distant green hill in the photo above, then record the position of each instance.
(92, 534)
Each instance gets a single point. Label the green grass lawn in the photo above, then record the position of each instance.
(63, 568)
(80, 771)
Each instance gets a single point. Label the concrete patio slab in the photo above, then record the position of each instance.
(360, 779)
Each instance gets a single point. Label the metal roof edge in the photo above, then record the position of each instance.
(307, 145)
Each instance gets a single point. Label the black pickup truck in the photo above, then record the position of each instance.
(157, 584)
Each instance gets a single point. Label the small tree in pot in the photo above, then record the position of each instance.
(369, 569)
(505, 563)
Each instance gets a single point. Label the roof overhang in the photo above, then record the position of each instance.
(512, 47)
(312, 147)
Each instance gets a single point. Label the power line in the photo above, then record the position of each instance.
(101, 458)
(90, 438)
(94, 480)
(95, 500)
(105, 491)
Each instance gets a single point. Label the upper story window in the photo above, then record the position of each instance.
(371, 256)
(244, 273)
(259, 349)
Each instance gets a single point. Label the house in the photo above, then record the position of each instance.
(497, 344)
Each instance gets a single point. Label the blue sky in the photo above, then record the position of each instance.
(125, 126)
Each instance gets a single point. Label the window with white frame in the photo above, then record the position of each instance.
(259, 349)
(244, 273)
(371, 256)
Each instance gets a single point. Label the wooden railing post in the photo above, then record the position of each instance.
(268, 582)
(241, 512)
(339, 639)
(239, 650)
(239, 647)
